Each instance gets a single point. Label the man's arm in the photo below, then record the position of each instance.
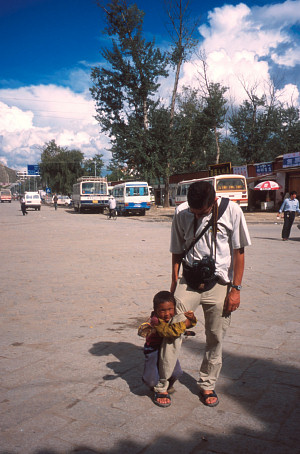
(232, 301)
(282, 206)
(176, 261)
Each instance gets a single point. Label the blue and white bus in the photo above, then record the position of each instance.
(90, 193)
(132, 197)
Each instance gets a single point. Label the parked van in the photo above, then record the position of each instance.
(33, 200)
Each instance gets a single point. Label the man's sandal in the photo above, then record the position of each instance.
(161, 396)
(204, 397)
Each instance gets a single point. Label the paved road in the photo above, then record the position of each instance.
(75, 287)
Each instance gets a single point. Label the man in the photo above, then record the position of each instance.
(289, 207)
(55, 199)
(112, 205)
(219, 294)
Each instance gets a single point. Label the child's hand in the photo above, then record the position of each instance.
(190, 316)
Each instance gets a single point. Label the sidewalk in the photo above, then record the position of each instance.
(256, 217)
(71, 361)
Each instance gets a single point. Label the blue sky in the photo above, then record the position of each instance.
(47, 48)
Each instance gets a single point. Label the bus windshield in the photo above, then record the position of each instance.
(229, 184)
(136, 191)
(94, 188)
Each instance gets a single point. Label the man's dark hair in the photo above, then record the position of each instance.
(293, 192)
(163, 297)
(201, 194)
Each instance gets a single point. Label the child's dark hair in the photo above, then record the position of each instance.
(163, 297)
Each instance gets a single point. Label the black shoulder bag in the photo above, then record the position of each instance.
(200, 275)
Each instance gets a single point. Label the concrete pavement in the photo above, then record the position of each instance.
(74, 289)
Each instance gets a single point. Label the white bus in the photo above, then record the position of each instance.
(232, 186)
(132, 197)
(90, 193)
(5, 195)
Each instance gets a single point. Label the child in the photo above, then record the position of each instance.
(164, 309)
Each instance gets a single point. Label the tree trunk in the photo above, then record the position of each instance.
(218, 145)
(178, 67)
(166, 193)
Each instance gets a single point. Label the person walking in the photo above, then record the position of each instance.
(208, 238)
(55, 199)
(289, 208)
(23, 206)
(111, 205)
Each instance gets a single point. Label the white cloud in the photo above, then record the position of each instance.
(240, 45)
(13, 119)
(32, 116)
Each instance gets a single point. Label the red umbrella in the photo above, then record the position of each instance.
(267, 186)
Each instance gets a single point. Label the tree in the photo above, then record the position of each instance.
(60, 167)
(181, 29)
(216, 109)
(93, 166)
(123, 87)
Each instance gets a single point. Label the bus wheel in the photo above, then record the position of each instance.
(143, 212)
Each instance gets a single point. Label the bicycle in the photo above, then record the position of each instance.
(112, 215)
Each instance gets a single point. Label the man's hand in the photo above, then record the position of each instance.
(232, 300)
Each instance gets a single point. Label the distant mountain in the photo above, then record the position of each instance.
(7, 175)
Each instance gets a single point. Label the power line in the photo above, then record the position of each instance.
(43, 100)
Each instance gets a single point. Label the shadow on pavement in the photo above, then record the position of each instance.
(275, 239)
(267, 391)
(261, 415)
(130, 357)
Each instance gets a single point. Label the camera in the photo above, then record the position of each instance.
(205, 269)
(200, 272)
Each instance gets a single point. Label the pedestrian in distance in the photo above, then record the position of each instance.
(208, 238)
(111, 205)
(289, 208)
(157, 328)
(55, 199)
(23, 206)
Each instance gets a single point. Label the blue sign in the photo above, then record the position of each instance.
(291, 159)
(264, 168)
(33, 170)
(48, 190)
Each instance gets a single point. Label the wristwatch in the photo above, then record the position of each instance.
(237, 287)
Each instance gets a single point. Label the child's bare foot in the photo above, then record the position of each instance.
(162, 399)
(209, 398)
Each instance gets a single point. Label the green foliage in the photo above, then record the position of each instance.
(150, 141)
(124, 87)
(60, 167)
(215, 108)
(93, 166)
(262, 132)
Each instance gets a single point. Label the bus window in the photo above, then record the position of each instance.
(136, 191)
(230, 183)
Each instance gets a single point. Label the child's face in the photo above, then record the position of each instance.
(165, 311)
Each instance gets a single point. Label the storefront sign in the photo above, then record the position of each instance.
(240, 170)
(264, 168)
(291, 159)
(219, 169)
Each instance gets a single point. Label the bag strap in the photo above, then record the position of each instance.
(218, 212)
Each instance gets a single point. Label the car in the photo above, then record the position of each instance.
(63, 200)
(32, 200)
